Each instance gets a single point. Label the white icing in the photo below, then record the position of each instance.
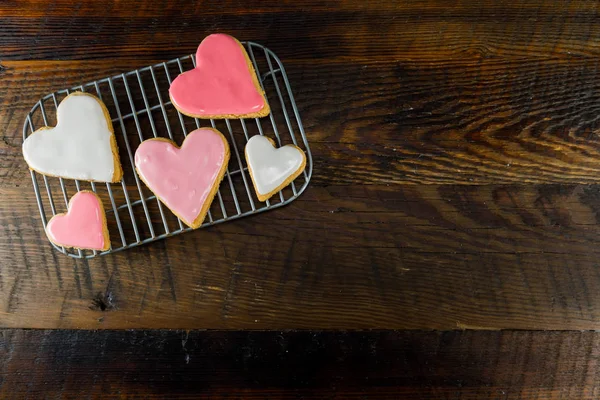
(271, 167)
(79, 147)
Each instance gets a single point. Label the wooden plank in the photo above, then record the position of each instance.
(41, 8)
(379, 30)
(406, 122)
(422, 256)
(375, 364)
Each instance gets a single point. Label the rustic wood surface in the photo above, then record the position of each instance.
(270, 365)
(456, 186)
(456, 178)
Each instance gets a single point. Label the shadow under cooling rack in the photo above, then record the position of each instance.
(140, 108)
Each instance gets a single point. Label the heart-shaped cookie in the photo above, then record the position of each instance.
(83, 226)
(272, 169)
(223, 84)
(81, 146)
(187, 178)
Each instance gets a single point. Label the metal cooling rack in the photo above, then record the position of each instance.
(138, 102)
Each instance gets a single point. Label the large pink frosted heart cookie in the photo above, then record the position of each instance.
(223, 84)
(187, 178)
(83, 226)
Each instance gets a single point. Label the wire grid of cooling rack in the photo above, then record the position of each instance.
(137, 217)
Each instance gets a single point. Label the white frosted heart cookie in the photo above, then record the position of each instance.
(272, 169)
(81, 146)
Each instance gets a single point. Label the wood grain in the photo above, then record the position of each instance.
(456, 170)
(379, 29)
(456, 187)
(435, 257)
(399, 123)
(408, 365)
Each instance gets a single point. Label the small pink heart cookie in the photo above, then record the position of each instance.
(83, 226)
(223, 84)
(272, 169)
(185, 179)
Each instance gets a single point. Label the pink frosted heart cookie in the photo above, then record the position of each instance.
(223, 84)
(83, 226)
(186, 179)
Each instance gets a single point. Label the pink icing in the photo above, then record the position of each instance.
(221, 83)
(82, 226)
(183, 177)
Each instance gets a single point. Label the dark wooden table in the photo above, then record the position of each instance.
(454, 209)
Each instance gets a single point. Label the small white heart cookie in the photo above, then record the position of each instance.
(272, 169)
(82, 145)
